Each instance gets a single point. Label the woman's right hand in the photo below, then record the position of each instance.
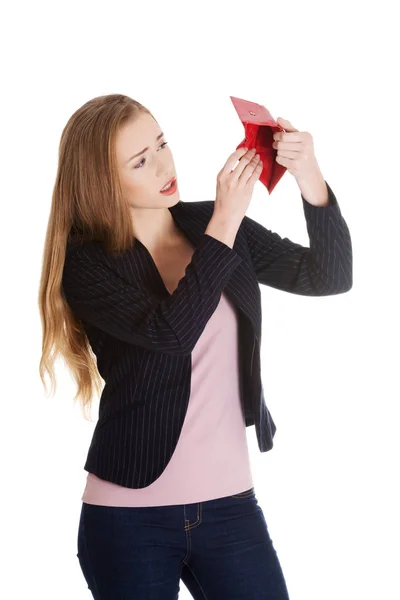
(235, 185)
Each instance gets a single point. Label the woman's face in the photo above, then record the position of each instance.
(143, 176)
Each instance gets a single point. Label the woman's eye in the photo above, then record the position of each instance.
(143, 159)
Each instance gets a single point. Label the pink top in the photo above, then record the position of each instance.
(211, 458)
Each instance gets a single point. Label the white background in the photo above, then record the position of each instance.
(329, 488)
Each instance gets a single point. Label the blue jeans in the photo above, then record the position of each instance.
(221, 549)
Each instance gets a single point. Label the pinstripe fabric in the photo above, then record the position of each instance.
(143, 336)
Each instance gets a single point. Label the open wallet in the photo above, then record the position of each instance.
(259, 128)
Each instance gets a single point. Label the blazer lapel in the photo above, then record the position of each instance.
(192, 218)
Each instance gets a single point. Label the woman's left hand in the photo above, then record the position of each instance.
(295, 151)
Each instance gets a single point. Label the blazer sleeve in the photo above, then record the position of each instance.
(98, 295)
(324, 268)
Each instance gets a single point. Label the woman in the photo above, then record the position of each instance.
(161, 300)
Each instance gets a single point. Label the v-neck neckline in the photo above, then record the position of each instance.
(172, 209)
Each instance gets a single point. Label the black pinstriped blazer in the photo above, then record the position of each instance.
(143, 336)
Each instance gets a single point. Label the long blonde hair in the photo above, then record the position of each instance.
(87, 201)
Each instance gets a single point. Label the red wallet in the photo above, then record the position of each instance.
(259, 128)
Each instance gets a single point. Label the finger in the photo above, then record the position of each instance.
(246, 165)
(234, 157)
(295, 147)
(287, 154)
(248, 171)
(256, 173)
(289, 136)
(243, 162)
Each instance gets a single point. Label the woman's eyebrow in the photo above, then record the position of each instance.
(145, 149)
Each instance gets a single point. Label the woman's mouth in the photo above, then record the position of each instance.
(169, 189)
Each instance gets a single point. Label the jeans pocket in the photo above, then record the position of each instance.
(83, 556)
